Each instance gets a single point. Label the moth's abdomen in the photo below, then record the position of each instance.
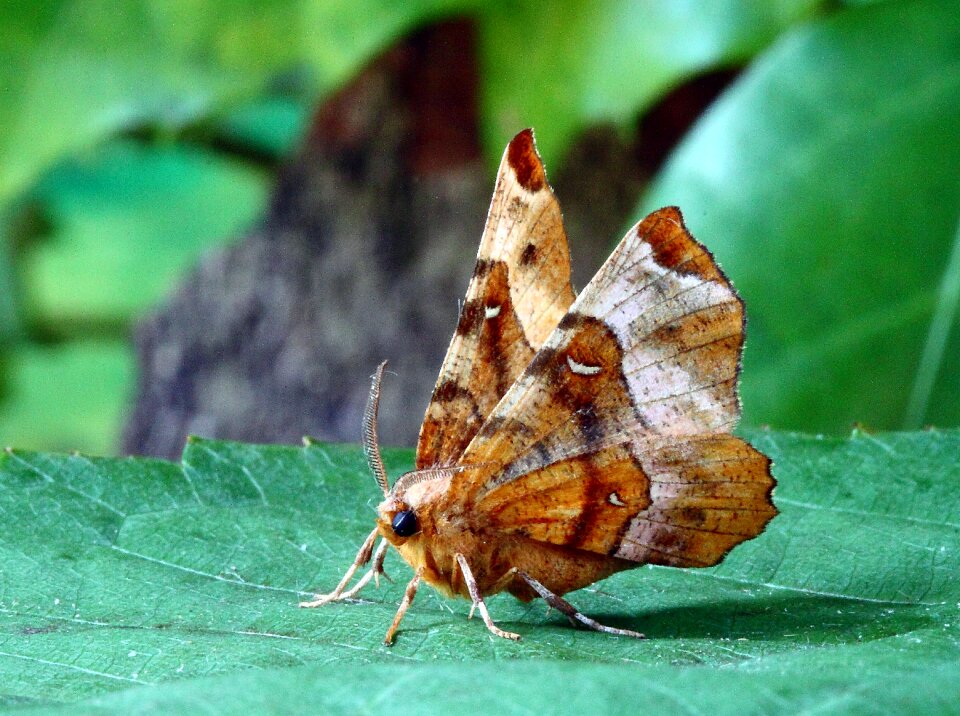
(559, 569)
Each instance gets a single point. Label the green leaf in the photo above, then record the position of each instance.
(560, 67)
(126, 222)
(174, 586)
(270, 125)
(66, 396)
(77, 71)
(826, 182)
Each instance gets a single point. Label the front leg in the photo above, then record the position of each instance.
(363, 556)
(478, 602)
(408, 596)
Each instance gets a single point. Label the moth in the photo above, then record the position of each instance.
(572, 437)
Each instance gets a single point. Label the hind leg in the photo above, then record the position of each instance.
(576, 617)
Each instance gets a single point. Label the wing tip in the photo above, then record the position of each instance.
(675, 248)
(522, 157)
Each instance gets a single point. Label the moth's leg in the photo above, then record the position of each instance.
(376, 569)
(363, 556)
(498, 586)
(502, 583)
(405, 603)
(474, 590)
(572, 613)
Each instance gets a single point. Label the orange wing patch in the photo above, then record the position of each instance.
(578, 400)
(585, 502)
(519, 292)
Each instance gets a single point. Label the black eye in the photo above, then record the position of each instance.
(405, 523)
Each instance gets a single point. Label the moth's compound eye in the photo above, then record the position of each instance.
(405, 523)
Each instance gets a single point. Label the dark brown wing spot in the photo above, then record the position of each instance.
(525, 162)
(669, 541)
(693, 516)
(674, 248)
(492, 426)
(572, 320)
(517, 209)
(591, 429)
(529, 255)
(483, 267)
(496, 424)
(543, 362)
(594, 493)
(471, 318)
(449, 390)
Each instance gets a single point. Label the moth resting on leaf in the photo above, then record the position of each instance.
(571, 437)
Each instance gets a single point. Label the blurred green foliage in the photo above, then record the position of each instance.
(170, 201)
(827, 180)
(826, 177)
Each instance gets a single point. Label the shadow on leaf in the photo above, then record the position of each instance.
(776, 617)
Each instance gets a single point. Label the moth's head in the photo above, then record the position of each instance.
(397, 519)
(406, 509)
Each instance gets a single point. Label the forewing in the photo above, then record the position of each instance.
(651, 345)
(647, 357)
(519, 292)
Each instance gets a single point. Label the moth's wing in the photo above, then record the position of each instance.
(647, 357)
(652, 344)
(519, 292)
(682, 502)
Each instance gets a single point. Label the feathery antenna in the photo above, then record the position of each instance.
(433, 473)
(371, 444)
